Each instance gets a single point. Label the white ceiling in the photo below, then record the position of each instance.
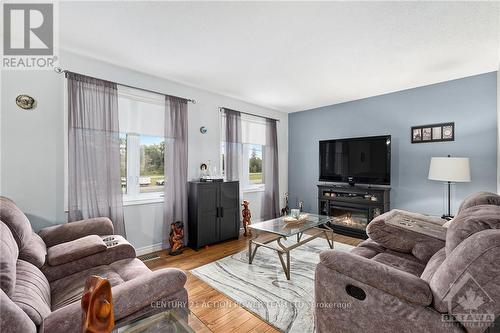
(290, 56)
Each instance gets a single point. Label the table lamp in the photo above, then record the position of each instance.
(449, 169)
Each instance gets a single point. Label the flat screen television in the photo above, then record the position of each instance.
(365, 160)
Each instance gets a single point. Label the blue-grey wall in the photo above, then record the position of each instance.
(469, 102)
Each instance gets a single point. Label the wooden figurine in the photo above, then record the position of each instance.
(285, 210)
(247, 215)
(176, 239)
(97, 306)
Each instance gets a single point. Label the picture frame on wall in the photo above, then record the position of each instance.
(448, 132)
(433, 133)
(436, 133)
(426, 134)
(416, 134)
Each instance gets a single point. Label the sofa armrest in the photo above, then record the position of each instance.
(140, 292)
(128, 297)
(120, 249)
(70, 231)
(71, 251)
(377, 275)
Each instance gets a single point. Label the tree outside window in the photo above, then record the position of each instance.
(152, 174)
(255, 164)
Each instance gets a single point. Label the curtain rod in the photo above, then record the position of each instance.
(250, 114)
(59, 70)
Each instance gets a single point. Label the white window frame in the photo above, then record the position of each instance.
(133, 194)
(221, 160)
(66, 146)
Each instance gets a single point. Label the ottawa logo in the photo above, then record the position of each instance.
(469, 304)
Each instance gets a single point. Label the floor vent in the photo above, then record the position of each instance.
(149, 257)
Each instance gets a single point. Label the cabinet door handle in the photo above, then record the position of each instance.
(217, 212)
(222, 212)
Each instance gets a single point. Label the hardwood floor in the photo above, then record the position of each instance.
(218, 312)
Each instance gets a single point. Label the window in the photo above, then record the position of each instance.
(123, 161)
(142, 144)
(253, 130)
(255, 163)
(151, 175)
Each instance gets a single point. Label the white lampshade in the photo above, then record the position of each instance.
(450, 169)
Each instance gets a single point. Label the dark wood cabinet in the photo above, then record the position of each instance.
(213, 212)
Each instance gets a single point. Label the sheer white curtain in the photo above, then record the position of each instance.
(270, 207)
(176, 159)
(239, 130)
(232, 144)
(94, 183)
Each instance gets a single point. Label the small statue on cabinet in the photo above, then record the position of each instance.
(247, 215)
(176, 239)
(301, 206)
(286, 210)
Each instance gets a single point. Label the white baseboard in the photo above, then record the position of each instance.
(149, 249)
(157, 247)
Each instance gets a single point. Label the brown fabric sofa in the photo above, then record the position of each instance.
(398, 281)
(42, 276)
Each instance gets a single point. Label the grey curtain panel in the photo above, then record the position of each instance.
(270, 207)
(176, 159)
(233, 145)
(94, 151)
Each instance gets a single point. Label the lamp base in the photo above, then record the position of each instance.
(447, 217)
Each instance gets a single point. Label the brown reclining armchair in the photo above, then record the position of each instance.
(399, 281)
(42, 276)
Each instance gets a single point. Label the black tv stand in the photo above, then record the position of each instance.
(352, 206)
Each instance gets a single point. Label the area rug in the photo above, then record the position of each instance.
(262, 287)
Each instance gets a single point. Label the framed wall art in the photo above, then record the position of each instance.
(433, 133)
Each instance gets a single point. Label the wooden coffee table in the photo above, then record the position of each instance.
(282, 230)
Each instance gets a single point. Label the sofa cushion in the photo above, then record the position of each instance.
(32, 292)
(425, 249)
(130, 268)
(34, 252)
(473, 264)
(13, 319)
(368, 249)
(470, 221)
(479, 198)
(433, 264)
(8, 259)
(404, 262)
(17, 222)
(74, 250)
(69, 289)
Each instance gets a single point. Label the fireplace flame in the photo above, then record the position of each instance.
(349, 221)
